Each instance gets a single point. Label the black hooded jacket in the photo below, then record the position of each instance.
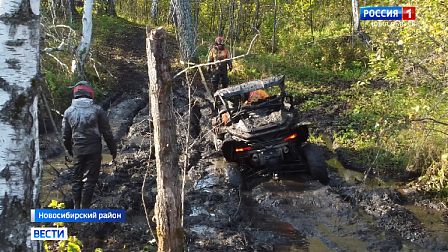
(83, 124)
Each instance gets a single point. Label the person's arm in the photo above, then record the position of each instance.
(104, 127)
(67, 135)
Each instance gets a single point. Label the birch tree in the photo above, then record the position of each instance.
(154, 11)
(355, 11)
(84, 46)
(20, 167)
(187, 34)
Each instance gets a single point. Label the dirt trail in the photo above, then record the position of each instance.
(294, 213)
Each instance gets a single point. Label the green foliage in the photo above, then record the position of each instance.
(414, 53)
(73, 244)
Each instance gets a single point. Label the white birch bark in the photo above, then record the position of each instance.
(84, 46)
(20, 167)
(154, 10)
(355, 10)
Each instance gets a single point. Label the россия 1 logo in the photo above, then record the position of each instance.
(387, 13)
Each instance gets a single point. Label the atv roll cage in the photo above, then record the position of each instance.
(239, 94)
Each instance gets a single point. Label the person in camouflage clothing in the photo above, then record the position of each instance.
(220, 52)
(83, 125)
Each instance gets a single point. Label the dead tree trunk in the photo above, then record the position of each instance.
(168, 204)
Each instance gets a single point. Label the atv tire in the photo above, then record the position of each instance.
(316, 162)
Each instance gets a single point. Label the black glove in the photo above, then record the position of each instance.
(114, 155)
(230, 68)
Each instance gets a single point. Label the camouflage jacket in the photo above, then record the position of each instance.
(83, 124)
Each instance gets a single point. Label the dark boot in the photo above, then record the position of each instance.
(77, 199)
(86, 200)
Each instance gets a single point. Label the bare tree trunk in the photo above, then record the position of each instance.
(238, 24)
(257, 9)
(20, 168)
(187, 34)
(72, 8)
(275, 21)
(213, 18)
(311, 20)
(232, 25)
(196, 16)
(172, 14)
(355, 11)
(111, 8)
(84, 46)
(168, 204)
(154, 11)
(220, 31)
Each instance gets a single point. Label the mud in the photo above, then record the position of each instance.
(225, 212)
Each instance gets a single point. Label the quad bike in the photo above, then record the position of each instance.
(263, 132)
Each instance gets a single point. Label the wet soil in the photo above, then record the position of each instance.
(224, 212)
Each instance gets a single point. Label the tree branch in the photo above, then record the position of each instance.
(61, 47)
(429, 119)
(63, 26)
(219, 61)
(60, 62)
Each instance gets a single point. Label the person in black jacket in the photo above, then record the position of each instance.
(83, 124)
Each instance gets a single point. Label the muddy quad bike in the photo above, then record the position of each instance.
(265, 133)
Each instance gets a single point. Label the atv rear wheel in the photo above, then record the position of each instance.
(316, 162)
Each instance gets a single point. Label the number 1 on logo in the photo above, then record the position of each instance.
(408, 13)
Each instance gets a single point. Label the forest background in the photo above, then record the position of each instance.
(383, 87)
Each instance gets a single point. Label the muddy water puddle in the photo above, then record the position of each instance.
(433, 222)
(355, 177)
(283, 235)
(54, 189)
